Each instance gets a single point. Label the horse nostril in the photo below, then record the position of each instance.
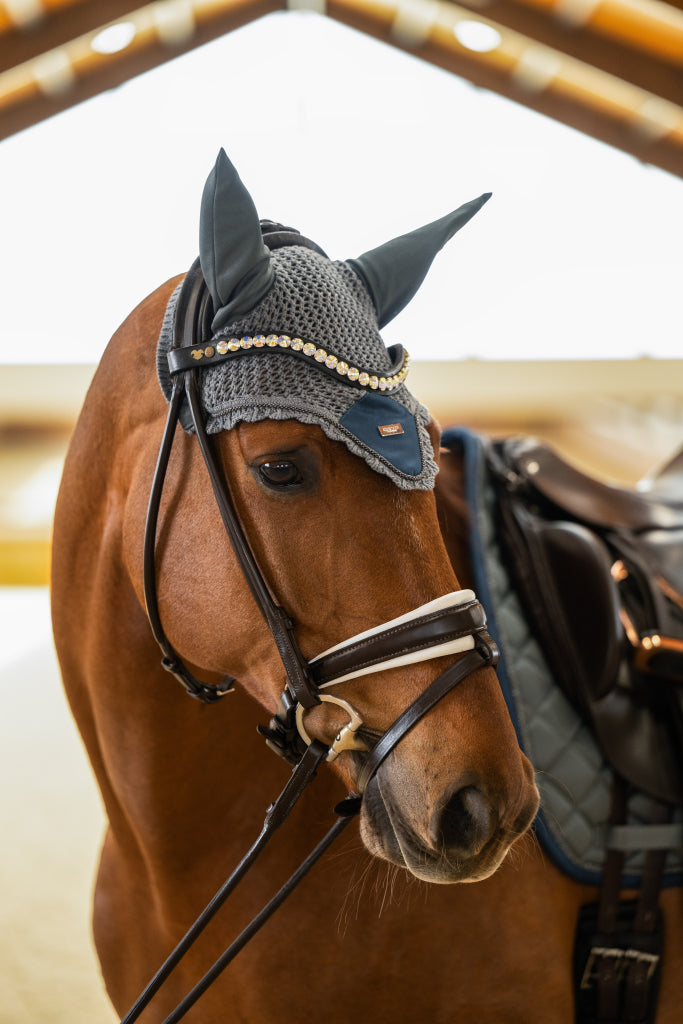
(464, 823)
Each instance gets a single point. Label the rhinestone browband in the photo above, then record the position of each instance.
(180, 359)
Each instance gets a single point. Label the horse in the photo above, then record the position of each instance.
(441, 906)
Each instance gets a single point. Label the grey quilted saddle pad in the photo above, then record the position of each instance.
(573, 778)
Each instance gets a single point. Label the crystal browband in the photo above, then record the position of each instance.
(220, 351)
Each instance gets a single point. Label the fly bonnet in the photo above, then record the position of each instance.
(295, 335)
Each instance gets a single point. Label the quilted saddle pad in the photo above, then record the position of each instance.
(572, 776)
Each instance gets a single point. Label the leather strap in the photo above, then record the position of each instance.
(407, 638)
(193, 316)
(345, 810)
(281, 626)
(171, 661)
(621, 975)
(485, 654)
(277, 813)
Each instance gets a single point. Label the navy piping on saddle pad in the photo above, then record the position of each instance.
(458, 438)
(485, 565)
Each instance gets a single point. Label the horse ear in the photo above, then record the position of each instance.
(393, 272)
(235, 262)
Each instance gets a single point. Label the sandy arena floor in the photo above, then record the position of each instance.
(51, 825)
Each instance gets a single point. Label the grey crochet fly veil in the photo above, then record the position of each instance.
(297, 335)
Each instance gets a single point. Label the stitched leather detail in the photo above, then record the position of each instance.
(418, 634)
(438, 689)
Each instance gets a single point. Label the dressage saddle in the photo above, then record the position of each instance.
(600, 571)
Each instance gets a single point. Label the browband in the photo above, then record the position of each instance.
(222, 350)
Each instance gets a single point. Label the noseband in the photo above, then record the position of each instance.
(452, 624)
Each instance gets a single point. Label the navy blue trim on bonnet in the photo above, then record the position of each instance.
(388, 428)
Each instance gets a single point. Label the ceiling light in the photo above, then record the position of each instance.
(174, 20)
(23, 13)
(414, 21)
(475, 35)
(656, 117)
(536, 68)
(114, 38)
(53, 72)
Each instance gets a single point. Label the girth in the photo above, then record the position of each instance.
(452, 624)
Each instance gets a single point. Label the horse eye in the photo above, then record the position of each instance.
(280, 474)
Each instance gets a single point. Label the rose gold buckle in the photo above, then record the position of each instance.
(652, 646)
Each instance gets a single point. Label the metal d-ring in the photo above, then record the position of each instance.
(346, 738)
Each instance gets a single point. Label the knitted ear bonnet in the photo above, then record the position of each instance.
(299, 333)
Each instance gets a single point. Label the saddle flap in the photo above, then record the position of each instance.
(638, 744)
(613, 643)
(666, 482)
(565, 580)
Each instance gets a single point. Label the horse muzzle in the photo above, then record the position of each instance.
(461, 834)
(455, 830)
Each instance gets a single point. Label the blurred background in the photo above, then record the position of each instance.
(557, 311)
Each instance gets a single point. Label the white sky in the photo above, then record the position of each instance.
(578, 254)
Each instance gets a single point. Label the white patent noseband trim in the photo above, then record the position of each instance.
(465, 643)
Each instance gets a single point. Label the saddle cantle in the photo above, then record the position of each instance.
(600, 572)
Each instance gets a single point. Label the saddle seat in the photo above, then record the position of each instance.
(665, 484)
(657, 503)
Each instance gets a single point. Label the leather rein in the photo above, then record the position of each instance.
(455, 623)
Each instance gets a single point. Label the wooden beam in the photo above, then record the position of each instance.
(578, 97)
(498, 391)
(637, 121)
(58, 27)
(646, 26)
(663, 78)
(92, 73)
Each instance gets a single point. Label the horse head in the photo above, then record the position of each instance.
(333, 486)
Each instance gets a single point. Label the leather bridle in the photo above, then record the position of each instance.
(455, 623)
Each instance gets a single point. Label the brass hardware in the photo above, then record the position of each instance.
(346, 738)
(621, 958)
(618, 571)
(653, 644)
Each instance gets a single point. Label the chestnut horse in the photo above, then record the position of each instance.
(368, 936)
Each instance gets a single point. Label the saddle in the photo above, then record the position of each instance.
(583, 583)
(600, 572)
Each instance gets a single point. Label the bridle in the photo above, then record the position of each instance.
(452, 624)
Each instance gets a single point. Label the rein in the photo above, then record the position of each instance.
(452, 624)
